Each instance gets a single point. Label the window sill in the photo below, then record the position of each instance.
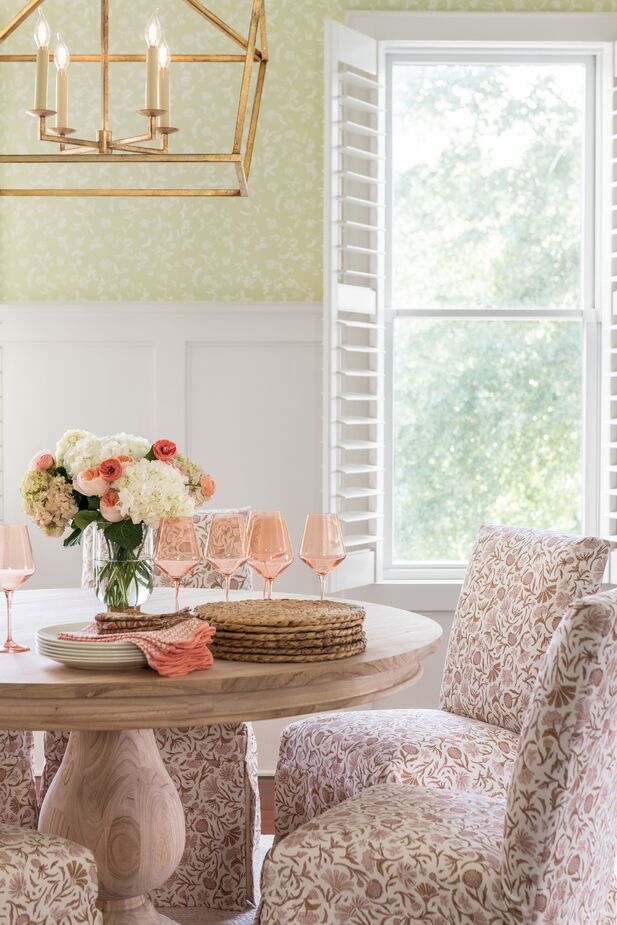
(419, 595)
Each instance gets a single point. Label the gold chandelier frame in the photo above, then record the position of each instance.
(130, 150)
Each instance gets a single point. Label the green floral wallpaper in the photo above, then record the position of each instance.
(266, 248)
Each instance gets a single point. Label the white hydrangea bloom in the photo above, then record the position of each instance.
(67, 441)
(152, 490)
(84, 454)
(125, 445)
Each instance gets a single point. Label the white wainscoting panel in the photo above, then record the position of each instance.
(253, 417)
(237, 386)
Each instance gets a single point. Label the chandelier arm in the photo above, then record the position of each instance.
(135, 149)
(246, 77)
(20, 17)
(82, 149)
(131, 140)
(78, 142)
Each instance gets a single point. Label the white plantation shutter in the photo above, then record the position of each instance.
(354, 299)
(609, 486)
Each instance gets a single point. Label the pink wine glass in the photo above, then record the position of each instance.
(322, 546)
(227, 546)
(177, 550)
(270, 551)
(16, 567)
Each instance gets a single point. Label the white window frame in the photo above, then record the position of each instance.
(535, 36)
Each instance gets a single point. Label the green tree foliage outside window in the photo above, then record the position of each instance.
(488, 205)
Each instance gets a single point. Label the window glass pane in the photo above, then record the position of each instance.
(487, 426)
(487, 182)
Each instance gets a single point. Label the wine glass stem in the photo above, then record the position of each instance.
(177, 583)
(227, 586)
(267, 589)
(9, 618)
(322, 586)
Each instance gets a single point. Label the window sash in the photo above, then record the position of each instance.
(593, 261)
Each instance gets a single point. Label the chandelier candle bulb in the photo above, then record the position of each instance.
(42, 36)
(164, 59)
(153, 39)
(62, 83)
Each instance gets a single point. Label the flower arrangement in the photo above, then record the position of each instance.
(123, 485)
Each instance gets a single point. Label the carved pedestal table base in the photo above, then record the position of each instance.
(113, 795)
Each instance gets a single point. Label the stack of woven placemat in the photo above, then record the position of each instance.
(285, 630)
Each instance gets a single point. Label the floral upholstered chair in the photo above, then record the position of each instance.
(18, 800)
(215, 771)
(45, 880)
(518, 585)
(541, 855)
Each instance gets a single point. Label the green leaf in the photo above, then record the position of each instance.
(74, 538)
(150, 455)
(83, 519)
(94, 503)
(125, 534)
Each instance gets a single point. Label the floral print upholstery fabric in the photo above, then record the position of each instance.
(561, 824)
(393, 855)
(214, 769)
(397, 855)
(325, 760)
(18, 801)
(45, 880)
(518, 586)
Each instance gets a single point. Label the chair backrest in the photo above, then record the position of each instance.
(560, 835)
(518, 585)
(203, 576)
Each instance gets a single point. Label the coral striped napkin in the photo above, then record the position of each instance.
(172, 652)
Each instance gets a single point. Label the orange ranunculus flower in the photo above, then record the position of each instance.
(164, 450)
(207, 486)
(111, 469)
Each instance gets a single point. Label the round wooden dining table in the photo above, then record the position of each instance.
(112, 793)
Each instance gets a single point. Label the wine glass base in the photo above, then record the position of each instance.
(12, 648)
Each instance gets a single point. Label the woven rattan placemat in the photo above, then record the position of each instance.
(342, 652)
(283, 612)
(285, 630)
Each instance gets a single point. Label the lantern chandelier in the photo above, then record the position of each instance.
(156, 109)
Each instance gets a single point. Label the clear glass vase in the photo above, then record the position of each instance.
(123, 578)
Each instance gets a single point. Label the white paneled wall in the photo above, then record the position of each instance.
(239, 387)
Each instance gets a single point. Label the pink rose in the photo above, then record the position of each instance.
(90, 482)
(43, 462)
(207, 486)
(110, 506)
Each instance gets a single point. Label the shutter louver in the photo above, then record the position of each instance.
(609, 412)
(354, 281)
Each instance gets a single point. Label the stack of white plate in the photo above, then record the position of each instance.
(95, 656)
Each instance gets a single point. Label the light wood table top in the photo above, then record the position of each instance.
(37, 693)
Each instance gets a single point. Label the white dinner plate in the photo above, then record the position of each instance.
(87, 655)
